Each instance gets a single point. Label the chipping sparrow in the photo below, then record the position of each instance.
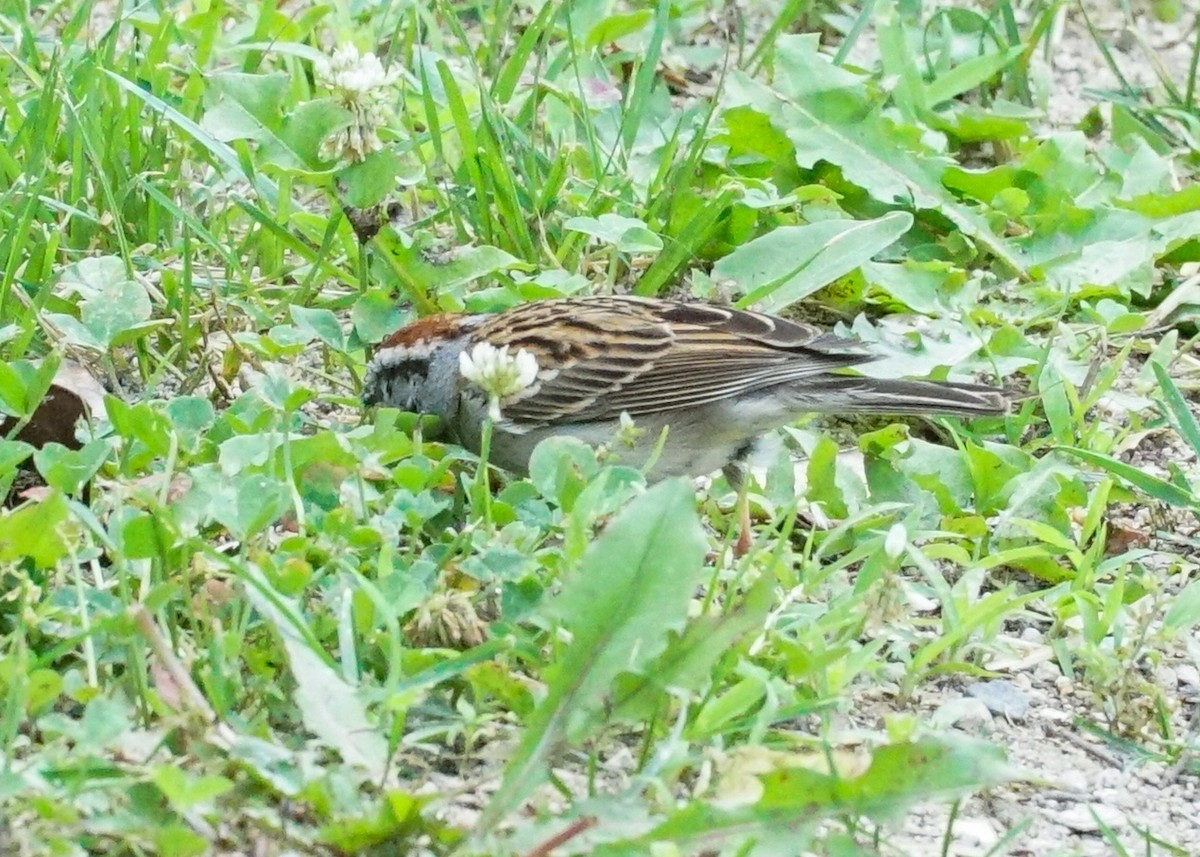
(716, 378)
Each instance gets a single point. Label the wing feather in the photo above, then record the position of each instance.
(612, 354)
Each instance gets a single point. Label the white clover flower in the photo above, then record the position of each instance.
(362, 85)
(895, 541)
(629, 433)
(498, 373)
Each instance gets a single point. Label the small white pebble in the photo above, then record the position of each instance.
(1046, 672)
(1073, 781)
(975, 833)
(1150, 772)
(1081, 819)
(1110, 778)
(968, 714)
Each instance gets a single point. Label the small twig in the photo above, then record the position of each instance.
(1088, 747)
(566, 835)
(162, 650)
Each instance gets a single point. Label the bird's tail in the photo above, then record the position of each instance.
(860, 395)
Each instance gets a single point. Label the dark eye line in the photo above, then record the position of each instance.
(408, 368)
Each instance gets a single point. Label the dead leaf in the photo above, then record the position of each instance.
(75, 394)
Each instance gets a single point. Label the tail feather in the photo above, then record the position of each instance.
(861, 395)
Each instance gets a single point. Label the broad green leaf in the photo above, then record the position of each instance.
(1184, 611)
(13, 400)
(104, 721)
(245, 504)
(1122, 264)
(184, 790)
(786, 804)
(142, 422)
(304, 130)
(321, 323)
(261, 95)
(144, 535)
(687, 663)
(76, 332)
(730, 705)
(34, 532)
(25, 383)
(250, 107)
(561, 468)
(792, 262)
(110, 302)
(178, 840)
(899, 774)
(376, 314)
(278, 766)
(12, 453)
(822, 481)
(43, 688)
(330, 707)
(929, 288)
(631, 589)
(913, 347)
(829, 116)
(191, 417)
(375, 179)
(611, 28)
(627, 234)
(471, 263)
(68, 470)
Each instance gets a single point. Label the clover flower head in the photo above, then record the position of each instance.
(350, 73)
(497, 372)
(628, 432)
(362, 86)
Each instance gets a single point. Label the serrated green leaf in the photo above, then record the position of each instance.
(632, 587)
(330, 707)
(827, 114)
(689, 658)
(796, 797)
